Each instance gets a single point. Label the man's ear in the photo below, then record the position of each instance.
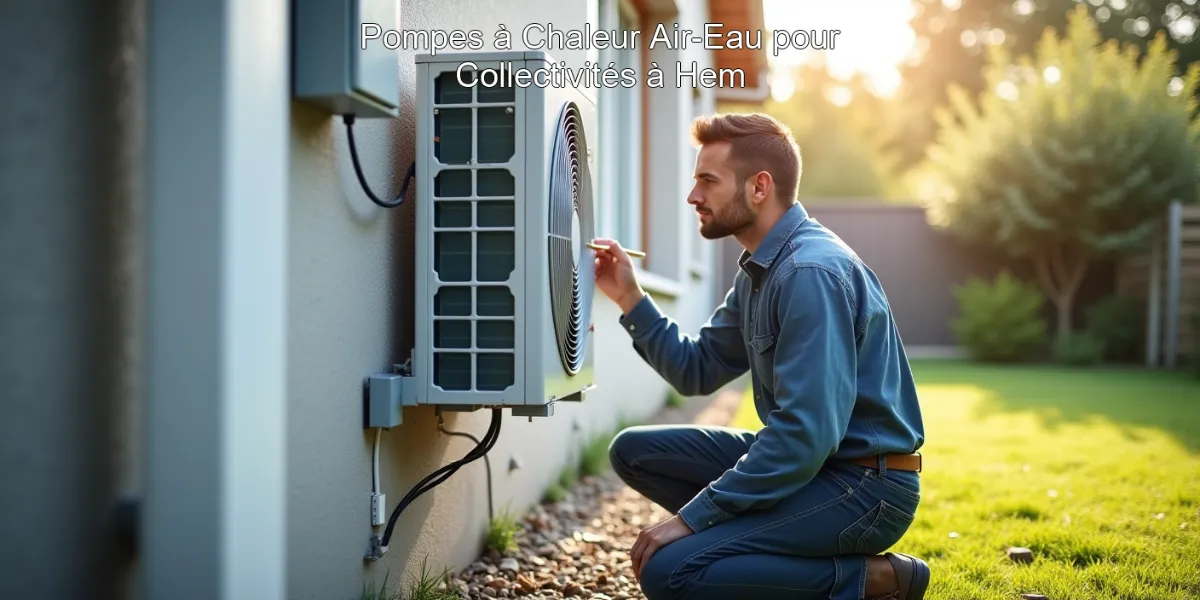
(762, 184)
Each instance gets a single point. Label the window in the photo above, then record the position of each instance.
(620, 186)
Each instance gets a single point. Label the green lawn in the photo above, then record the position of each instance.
(1098, 472)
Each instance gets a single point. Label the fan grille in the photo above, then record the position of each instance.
(570, 199)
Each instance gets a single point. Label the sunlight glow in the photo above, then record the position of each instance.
(840, 95)
(875, 38)
(1007, 90)
(1175, 86)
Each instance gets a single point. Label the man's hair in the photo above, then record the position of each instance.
(758, 142)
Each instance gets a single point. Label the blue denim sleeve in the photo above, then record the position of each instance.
(692, 365)
(814, 385)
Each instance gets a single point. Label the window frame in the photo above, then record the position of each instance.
(623, 111)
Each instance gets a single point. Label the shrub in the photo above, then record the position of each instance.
(1116, 324)
(1079, 349)
(1000, 320)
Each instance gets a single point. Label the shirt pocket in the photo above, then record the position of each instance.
(763, 343)
(762, 334)
(763, 361)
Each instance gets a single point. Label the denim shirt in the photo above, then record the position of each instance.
(830, 376)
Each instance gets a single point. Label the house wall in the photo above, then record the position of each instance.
(349, 315)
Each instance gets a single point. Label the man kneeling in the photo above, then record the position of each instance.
(807, 506)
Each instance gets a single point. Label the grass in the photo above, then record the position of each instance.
(674, 399)
(422, 587)
(566, 480)
(502, 532)
(592, 461)
(1096, 471)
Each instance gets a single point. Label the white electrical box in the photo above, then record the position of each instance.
(340, 61)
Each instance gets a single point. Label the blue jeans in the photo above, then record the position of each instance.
(813, 544)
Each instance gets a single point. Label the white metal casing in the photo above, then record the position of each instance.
(540, 378)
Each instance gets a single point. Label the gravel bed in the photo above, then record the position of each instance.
(578, 549)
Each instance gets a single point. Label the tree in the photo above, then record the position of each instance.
(1069, 157)
(841, 129)
(953, 36)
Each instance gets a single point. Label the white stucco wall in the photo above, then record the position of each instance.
(349, 315)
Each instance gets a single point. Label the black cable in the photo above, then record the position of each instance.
(480, 451)
(486, 462)
(441, 475)
(489, 440)
(408, 177)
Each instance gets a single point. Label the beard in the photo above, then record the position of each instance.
(733, 218)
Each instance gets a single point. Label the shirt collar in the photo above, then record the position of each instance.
(770, 247)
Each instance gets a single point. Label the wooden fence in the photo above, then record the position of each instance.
(1167, 280)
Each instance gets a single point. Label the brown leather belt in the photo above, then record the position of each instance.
(899, 462)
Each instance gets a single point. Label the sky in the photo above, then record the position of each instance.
(874, 38)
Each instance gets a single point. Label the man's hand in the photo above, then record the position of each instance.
(615, 275)
(654, 537)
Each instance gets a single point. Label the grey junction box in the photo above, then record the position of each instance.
(334, 68)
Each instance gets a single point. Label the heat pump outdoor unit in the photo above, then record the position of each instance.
(504, 208)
